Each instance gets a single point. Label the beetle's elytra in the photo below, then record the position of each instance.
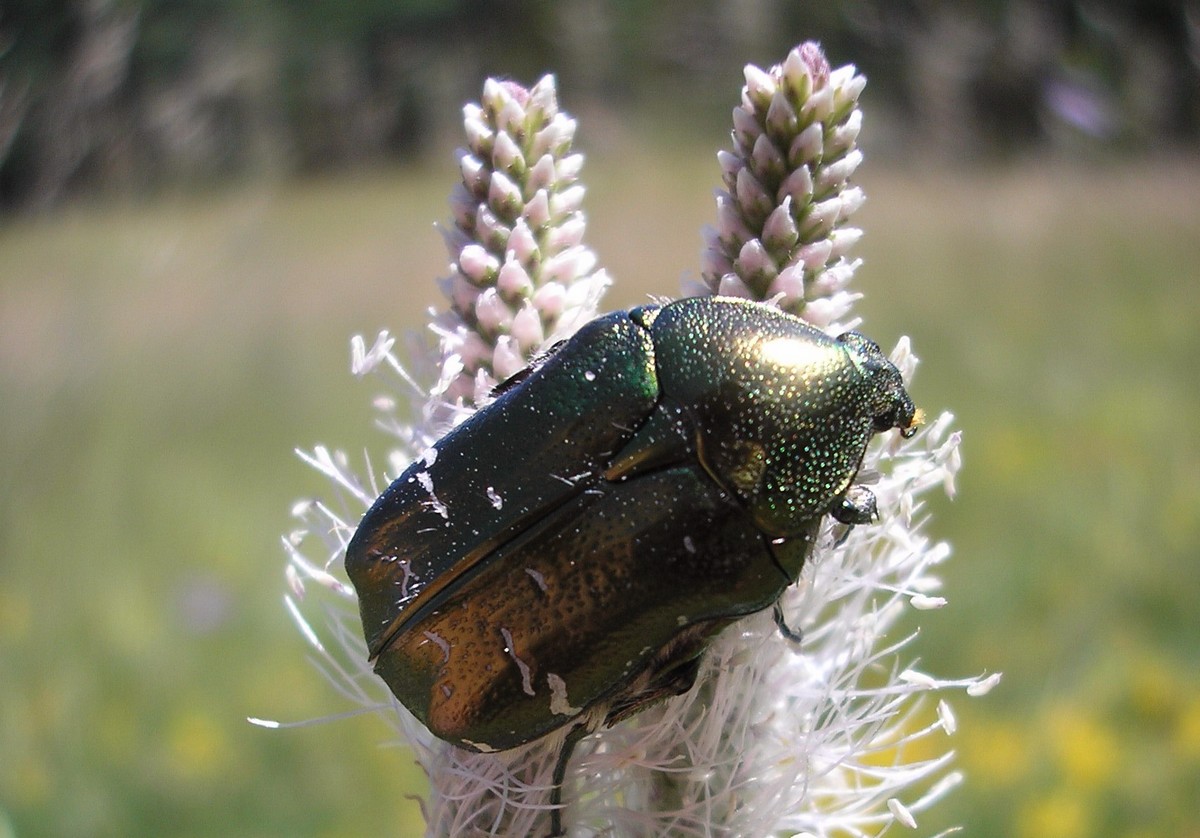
(564, 555)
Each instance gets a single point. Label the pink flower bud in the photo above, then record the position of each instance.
(779, 231)
(549, 300)
(760, 87)
(504, 196)
(541, 175)
(537, 211)
(732, 286)
(492, 313)
(477, 264)
(513, 281)
(506, 154)
(522, 243)
(527, 329)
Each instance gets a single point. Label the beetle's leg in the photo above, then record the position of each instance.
(855, 506)
(667, 684)
(535, 363)
(560, 773)
(790, 634)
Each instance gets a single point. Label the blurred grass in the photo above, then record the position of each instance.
(159, 361)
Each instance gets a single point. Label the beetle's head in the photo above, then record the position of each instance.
(891, 406)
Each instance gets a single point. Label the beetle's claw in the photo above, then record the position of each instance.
(790, 634)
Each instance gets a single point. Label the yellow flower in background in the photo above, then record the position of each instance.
(1086, 751)
(1154, 689)
(1187, 731)
(1060, 815)
(197, 745)
(997, 754)
(16, 616)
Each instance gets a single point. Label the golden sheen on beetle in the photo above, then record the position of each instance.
(564, 556)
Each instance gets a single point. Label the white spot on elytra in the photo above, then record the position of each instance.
(409, 583)
(526, 672)
(573, 479)
(494, 497)
(559, 704)
(441, 643)
(688, 544)
(426, 481)
(538, 579)
(589, 376)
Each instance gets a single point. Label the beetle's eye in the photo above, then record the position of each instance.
(885, 421)
(902, 415)
(899, 413)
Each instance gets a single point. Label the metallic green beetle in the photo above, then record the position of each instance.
(564, 556)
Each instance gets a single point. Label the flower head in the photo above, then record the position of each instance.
(781, 231)
(805, 736)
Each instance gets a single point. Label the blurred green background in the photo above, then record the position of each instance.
(170, 332)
